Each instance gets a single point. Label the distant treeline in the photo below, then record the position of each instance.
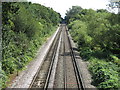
(25, 27)
(97, 34)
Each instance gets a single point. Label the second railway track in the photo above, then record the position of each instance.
(59, 69)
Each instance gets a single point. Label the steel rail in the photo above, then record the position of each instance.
(54, 41)
(52, 62)
(64, 63)
(54, 45)
(80, 82)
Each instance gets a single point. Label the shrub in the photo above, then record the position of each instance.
(105, 74)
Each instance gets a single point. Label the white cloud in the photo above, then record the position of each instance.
(62, 5)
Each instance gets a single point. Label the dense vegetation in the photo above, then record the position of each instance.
(97, 34)
(25, 27)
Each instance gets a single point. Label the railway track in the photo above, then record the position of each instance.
(59, 69)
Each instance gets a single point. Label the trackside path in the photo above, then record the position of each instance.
(24, 79)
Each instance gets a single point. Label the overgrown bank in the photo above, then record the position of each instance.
(97, 34)
(25, 27)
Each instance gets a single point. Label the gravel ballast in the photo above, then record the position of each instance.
(83, 67)
(24, 79)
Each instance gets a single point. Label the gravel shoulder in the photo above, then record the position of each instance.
(83, 67)
(24, 79)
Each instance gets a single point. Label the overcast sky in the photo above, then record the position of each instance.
(62, 5)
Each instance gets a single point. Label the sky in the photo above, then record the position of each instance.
(62, 5)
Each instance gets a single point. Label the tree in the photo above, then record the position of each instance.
(73, 12)
(115, 4)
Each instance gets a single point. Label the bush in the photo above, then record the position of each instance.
(85, 53)
(97, 34)
(105, 74)
(25, 27)
(115, 59)
(3, 78)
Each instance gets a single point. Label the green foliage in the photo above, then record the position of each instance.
(85, 53)
(115, 59)
(3, 78)
(25, 27)
(97, 34)
(105, 74)
(73, 14)
(80, 34)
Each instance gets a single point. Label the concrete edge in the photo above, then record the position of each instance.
(24, 79)
(53, 73)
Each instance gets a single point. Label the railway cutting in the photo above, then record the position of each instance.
(59, 69)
